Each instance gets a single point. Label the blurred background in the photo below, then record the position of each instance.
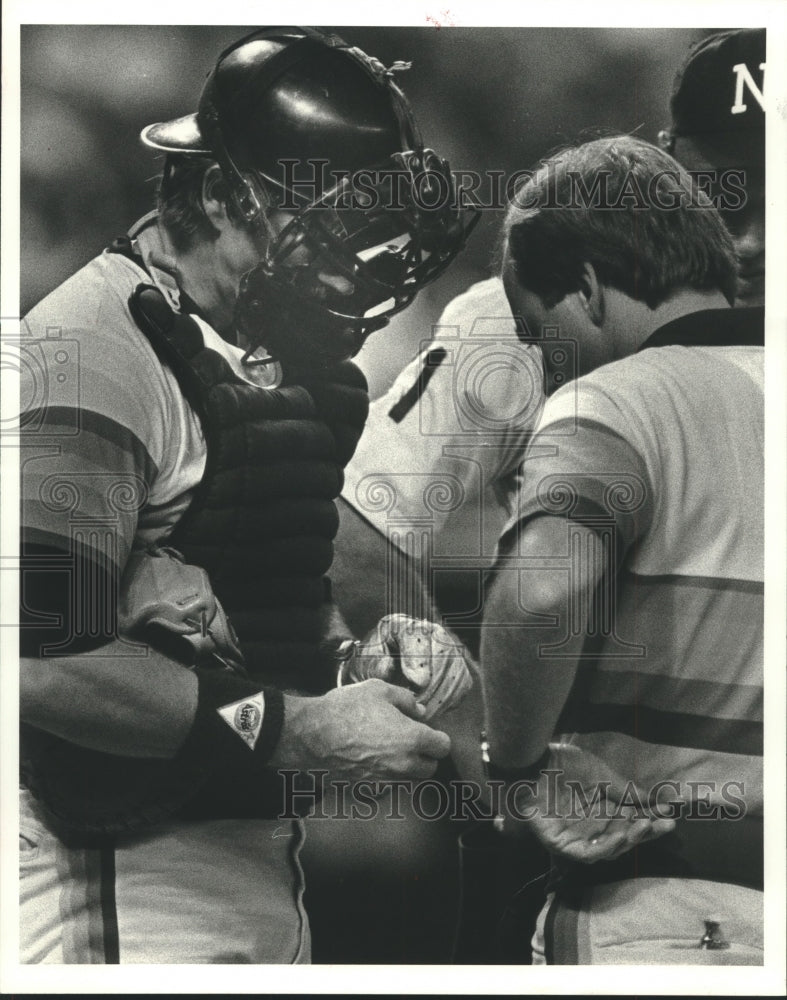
(485, 98)
(491, 99)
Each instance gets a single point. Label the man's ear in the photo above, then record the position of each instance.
(591, 294)
(214, 196)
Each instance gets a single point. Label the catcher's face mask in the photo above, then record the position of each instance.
(349, 261)
(302, 123)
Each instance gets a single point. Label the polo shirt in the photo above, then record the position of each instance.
(662, 455)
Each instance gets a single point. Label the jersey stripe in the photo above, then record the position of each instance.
(109, 919)
(678, 729)
(561, 933)
(89, 492)
(707, 582)
(648, 763)
(625, 687)
(594, 472)
(100, 435)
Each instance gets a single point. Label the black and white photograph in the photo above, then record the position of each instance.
(393, 522)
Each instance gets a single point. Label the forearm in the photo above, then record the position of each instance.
(335, 629)
(524, 689)
(146, 707)
(372, 577)
(110, 701)
(528, 611)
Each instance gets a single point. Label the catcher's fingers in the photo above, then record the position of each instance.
(433, 743)
(424, 768)
(400, 698)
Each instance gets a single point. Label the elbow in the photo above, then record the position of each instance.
(521, 597)
(544, 593)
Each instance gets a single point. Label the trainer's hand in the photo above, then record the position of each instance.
(368, 730)
(419, 655)
(611, 824)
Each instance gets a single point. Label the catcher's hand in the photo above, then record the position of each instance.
(416, 654)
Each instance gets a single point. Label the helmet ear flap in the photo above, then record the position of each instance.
(248, 195)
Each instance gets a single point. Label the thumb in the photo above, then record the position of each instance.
(404, 700)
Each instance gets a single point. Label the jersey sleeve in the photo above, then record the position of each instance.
(586, 463)
(88, 464)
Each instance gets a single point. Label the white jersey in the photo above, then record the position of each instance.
(94, 386)
(438, 459)
(112, 453)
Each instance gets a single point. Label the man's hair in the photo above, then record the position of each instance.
(627, 208)
(179, 201)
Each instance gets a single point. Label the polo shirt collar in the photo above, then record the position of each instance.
(712, 328)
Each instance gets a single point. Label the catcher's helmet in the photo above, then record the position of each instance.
(300, 121)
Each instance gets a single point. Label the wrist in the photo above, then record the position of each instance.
(288, 752)
(509, 775)
(237, 722)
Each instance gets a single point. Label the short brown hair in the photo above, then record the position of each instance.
(647, 230)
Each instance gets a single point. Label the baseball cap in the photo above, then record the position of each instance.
(717, 97)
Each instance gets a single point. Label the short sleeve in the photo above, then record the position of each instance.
(87, 470)
(585, 464)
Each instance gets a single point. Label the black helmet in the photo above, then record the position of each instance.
(300, 121)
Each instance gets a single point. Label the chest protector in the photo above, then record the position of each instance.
(263, 519)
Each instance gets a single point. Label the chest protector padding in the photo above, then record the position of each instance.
(263, 519)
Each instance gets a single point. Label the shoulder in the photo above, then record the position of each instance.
(91, 310)
(667, 380)
(485, 299)
(79, 299)
(628, 381)
(88, 360)
(661, 395)
(621, 398)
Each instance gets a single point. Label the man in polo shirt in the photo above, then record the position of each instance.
(460, 414)
(625, 614)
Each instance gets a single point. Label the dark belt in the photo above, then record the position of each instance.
(714, 850)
